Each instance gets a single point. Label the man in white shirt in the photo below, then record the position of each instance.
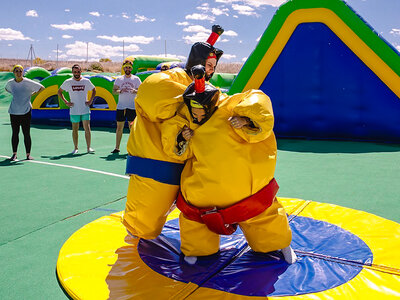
(78, 88)
(126, 86)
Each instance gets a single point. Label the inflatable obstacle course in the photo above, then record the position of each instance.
(147, 63)
(328, 73)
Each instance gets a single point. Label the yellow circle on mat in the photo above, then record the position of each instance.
(101, 261)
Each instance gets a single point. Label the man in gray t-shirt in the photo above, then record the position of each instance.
(126, 87)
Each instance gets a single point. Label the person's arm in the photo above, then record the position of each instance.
(90, 101)
(7, 88)
(240, 121)
(116, 90)
(60, 94)
(38, 92)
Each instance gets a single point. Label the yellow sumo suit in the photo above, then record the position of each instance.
(225, 165)
(155, 176)
(154, 179)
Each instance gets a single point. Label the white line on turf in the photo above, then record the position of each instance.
(73, 167)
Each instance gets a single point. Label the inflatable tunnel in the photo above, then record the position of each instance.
(47, 108)
(328, 73)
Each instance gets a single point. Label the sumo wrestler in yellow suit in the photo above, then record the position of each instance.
(155, 176)
(226, 166)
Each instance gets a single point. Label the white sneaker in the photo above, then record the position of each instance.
(75, 151)
(289, 255)
(90, 150)
(191, 260)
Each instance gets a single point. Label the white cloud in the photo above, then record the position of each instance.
(224, 40)
(138, 39)
(182, 23)
(395, 31)
(62, 56)
(230, 33)
(220, 11)
(55, 51)
(255, 3)
(95, 13)
(139, 18)
(204, 7)
(202, 17)
(31, 13)
(96, 51)
(244, 59)
(244, 10)
(66, 36)
(228, 56)
(50, 38)
(125, 16)
(183, 58)
(198, 37)
(8, 34)
(196, 28)
(67, 10)
(258, 39)
(73, 26)
(398, 48)
(9, 45)
(235, 16)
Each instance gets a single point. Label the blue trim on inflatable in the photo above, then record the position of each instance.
(330, 255)
(161, 171)
(320, 89)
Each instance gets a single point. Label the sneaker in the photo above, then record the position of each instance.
(115, 151)
(13, 157)
(75, 151)
(29, 157)
(90, 150)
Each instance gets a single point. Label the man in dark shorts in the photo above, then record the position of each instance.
(126, 87)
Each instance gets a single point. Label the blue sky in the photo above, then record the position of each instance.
(153, 27)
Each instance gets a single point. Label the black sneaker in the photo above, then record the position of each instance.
(115, 151)
(13, 157)
(29, 157)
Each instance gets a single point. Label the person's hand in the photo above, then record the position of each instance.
(238, 122)
(69, 104)
(123, 90)
(89, 102)
(187, 133)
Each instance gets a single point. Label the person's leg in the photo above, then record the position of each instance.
(15, 123)
(196, 238)
(119, 131)
(75, 128)
(130, 116)
(26, 130)
(88, 135)
(120, 117)
(269, 231)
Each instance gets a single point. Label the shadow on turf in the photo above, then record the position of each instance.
(319, 146)
(7, 162)
(68, 155)
(114, 156)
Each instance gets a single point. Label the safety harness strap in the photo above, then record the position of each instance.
(224, 221)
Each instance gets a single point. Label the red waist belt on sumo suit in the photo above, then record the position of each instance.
(224, 221)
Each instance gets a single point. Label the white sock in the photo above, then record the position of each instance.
(191, 260)
(289, 255)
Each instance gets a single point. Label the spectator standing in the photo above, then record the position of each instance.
(22, 89)
(126, 87)
(78, 88)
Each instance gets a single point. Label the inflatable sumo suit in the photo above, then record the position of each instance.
(224, 166)
(155, 176)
